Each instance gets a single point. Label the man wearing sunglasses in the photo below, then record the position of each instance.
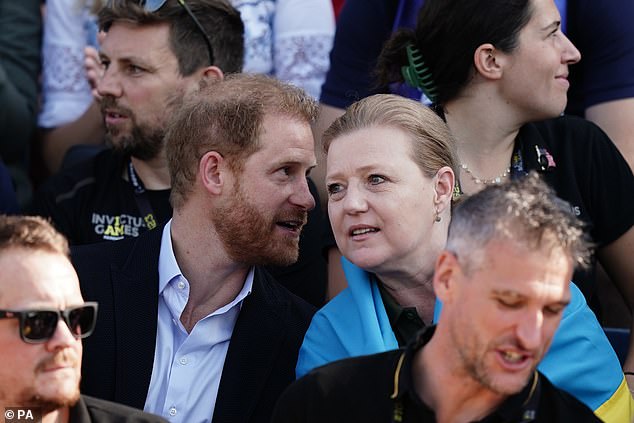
(43, 319)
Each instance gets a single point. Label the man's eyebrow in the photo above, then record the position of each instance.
(508, 294)
(289, 161)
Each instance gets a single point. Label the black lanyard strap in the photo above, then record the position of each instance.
(141, 197)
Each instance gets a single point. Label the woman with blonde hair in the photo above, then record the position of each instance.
(390, 180)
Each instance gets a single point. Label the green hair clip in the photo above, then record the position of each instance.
(417, 74)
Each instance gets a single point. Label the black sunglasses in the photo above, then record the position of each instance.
(154, 5)
(37, 326)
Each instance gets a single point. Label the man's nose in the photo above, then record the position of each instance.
(302, 196)
(109, 84)
(529, 329)
(62, 337)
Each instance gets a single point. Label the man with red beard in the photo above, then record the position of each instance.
(503, 279)
(153, 54)
(43, 318)
(191, 326)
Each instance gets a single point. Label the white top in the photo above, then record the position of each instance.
(68, 28)
(288, 39)
(187, 367)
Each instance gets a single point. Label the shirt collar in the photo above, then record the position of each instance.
(405, 321)
(168, 267)
(521, 407)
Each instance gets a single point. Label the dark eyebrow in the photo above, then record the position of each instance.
(552, 26)
(508, 294)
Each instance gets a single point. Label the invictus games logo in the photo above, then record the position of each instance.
(117, 227)
(21, 414)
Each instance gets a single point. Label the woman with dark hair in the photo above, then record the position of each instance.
(497, 73)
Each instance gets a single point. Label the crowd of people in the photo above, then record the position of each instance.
(417, 239)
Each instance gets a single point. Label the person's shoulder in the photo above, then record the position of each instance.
(568, 136)
(276, 294)
(106, 411)
(101, 250)
(337, 379)
(69, 183)
(117, 252)
(558, 405)
(565, 124)
(365, 364)
(336, 310)
(353, 389)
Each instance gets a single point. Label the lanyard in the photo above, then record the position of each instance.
(141, 197)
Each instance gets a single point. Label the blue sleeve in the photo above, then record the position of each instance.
(603, 31)
(321, 346)
(353, 323)
(362, 28)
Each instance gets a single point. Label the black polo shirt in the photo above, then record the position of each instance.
(92, 202)
(379, 388)
(405, 321)
(580, 162)
(584, 168)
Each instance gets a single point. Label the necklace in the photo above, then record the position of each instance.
(493, 181)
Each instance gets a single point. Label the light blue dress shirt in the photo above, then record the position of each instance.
(187, 366)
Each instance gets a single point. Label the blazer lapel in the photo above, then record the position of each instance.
(255, 343)
(135, 292)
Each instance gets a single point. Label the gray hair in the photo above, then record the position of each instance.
(525, 211)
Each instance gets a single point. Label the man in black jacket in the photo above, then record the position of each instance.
(191, 326)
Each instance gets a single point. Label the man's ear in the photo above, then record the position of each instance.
(212, 170)
(444, 182)
(212, 74)
(488, 61)
(446, 271)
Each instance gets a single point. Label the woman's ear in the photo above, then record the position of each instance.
(487, 61)
(444, 182)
